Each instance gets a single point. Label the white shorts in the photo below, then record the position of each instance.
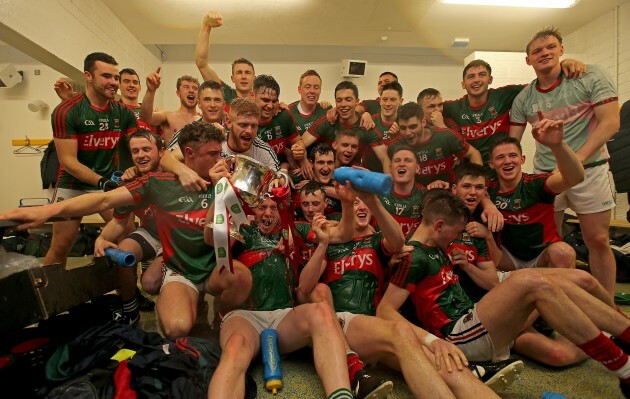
(474, 340)
(519, 263)
(503, 275)
(344, 319)
(151, 247)
(171, 276)
(260, 319)
(593, 195)
(60, 194)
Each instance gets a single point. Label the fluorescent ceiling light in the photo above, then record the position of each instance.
(517, 3)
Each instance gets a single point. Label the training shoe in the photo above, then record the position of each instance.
(144, 303)
(131, 318)
(499, 375)
(622, 345)
(366, 386)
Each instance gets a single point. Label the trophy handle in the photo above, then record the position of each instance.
(285, 176)
(230, 158)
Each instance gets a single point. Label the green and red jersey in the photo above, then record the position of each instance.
(277, 132)
(273, 278)
(371, 106)
(438, 299)
(325, 132)
(476, 250)
(145, 213)
(124, 152)
(333, 205)
(97, 132)
(481, 125)
(528, 213)
(181, 219)
(355, 273)
(304, 121)
(436, 155)
(229, 94)
(370, 160)
(406, 208)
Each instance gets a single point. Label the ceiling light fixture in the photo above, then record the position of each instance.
(517, 3)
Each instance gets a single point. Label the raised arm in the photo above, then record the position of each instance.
(571, 172)
(202, 49)
(309, 276)
(344, 231)
(381, 154)
(146, 108)
(393, 237)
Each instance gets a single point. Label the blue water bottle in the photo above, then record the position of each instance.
(120, 257)
(365, 180)
(117, 177)
(271, 360)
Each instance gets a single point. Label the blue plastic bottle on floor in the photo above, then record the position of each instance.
(552, 395)
(271, 360)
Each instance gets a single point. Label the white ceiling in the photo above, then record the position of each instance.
(414, 28)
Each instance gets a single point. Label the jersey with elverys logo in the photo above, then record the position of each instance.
(278, 132)
(181, 219)
(528, 213)
(481, 125)
(97, 132)
(355, 272)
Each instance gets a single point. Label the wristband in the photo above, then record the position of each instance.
(426, 341)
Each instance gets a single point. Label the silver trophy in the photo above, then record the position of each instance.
(252, 179)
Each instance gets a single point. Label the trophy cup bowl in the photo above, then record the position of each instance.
(252, 179)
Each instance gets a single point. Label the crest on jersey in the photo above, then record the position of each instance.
(493, 111)
(465, 236)
(278, 130)
(438, 152)
(116, 123)
(517, 203)
(415, 209)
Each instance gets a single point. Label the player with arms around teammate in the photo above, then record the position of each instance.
(146, 148)
(189, 264)
(529, 237)
(87, 129)
(589, 108)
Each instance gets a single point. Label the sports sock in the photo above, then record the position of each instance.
(131, 305)
(341, 393)
(625, 336)
(610, 355)
(354, 365)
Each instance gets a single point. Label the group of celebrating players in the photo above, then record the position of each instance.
(440, 279)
